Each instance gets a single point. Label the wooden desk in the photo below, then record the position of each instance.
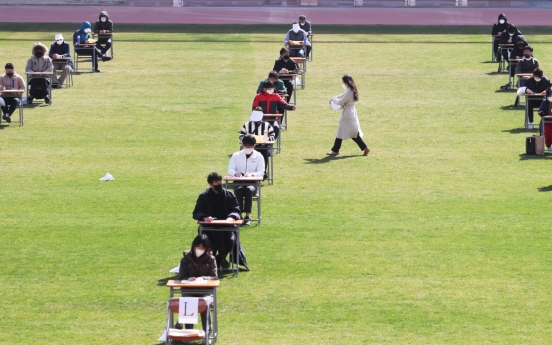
(91, 45)
(528, 108)
(291, 77)
(512, 63)
(494, 37)
(277, 118)
(247, 181)
(14, 94)
(504, 47)
(208, 287)
(65, 61)
(225, 226)
(108, 35)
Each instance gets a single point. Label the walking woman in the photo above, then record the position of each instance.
(349, 127)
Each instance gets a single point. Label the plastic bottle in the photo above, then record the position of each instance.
(265, 137)
(78, 39)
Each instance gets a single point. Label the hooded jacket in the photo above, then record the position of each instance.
(497, 27)
(504, 37)
(254, 164)
(270, 102)
(527, 65)
(99, 25)
(63, 49)
(517, 51)
(306, 26)
(206, 204)
(290, 65)
(80, 32)
(205, 266)
(39, 64)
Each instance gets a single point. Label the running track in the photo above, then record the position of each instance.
(277, 15)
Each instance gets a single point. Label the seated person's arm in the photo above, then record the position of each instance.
(259, 170)
(29, 67)
(271, 134)
(234, 208)
(232, 168)
(294, 69)
(255, 103)
(260, 88)
(285, 105)
(50, 66)
(286, 40)
(281, 87)
(199, 210)
(243, 131)
(20, 83)
(213, 274)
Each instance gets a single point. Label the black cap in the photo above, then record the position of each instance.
(302, 17)
(9, 65)
(268, 85)
(528, 48)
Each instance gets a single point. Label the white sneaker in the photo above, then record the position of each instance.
(531, 125)
(550, 150)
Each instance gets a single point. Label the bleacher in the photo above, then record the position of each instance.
(63, 2)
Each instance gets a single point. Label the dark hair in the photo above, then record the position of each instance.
(9, 65)
(214, 176)
(538, 72)
(512, 28)
(295, 23)
(301, 17)
(204, 241)
(284, 50)
(258, 109)
(347, 79)
(528, 48)
(249, 140)
(268, 85)
(273, 74)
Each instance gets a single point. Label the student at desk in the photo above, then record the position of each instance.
(81, 36)
(285, 65)
(257, 126)
(271, 103)
(60, 49)
(278, 84)
(39, 62)
(10, 81)
(498, 29)
(305, 25)
(537, 84)
(296, 35)
(218, 203)
(246, 163)
(544, 110)
(103, 26)
(509, 36)
(528, 63)
(199, 262)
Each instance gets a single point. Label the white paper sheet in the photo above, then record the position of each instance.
(335, 106)
(176, 269)
(188, 310)
(107, 177)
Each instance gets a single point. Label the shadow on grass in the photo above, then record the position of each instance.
(327, 159)
(517, 130)
(511, 107)
(494, 73)
(526, 157)
(545, 189)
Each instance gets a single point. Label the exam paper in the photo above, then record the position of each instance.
(335, 106)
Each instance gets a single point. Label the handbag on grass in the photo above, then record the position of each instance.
(534, 145)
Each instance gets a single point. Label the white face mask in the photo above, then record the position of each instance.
(103, 19)
(248, 150)
(549, 99)
(87, 30)
(502, 21)
(59, 42)
(537, 79)
(511, 35)
(344, 86)
(199, 252)
(270, 91)
(295, 28)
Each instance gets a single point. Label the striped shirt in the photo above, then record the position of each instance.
(257, 128)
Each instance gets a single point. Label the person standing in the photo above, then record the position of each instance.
(349, 127)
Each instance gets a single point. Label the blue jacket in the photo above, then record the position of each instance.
(80, 32)
(63, 49)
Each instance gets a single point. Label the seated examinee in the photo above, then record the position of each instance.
(298, 36)
(10, 81)
(517, 52)
(199, 262)
(528, 62)
(537, 84)
(285, 65)
(271, 103)
(81, 36)
(246, 163)
(305, 25)
(257, 126)
(60, 49)
(498, 29)
(218, 203)
(39, 62)
(278, 84)
(544, 110)
(509, 36)
(103, 26)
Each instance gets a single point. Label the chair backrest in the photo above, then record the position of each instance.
(549, 108)
(174, 305)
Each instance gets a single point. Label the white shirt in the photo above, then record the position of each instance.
(240, 163)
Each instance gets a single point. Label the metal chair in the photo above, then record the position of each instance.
(173, 334)
(21, 115)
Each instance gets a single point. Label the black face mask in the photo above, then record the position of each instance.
(39, 54)
(286, 57)
(527, 55)
(9, 74)
(218, 188)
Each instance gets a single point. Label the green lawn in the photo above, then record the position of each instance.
(442, 235)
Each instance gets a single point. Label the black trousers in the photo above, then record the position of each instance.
(496, 50)
(103, 44)
(39, 87)
(221, 243)
(12, 103)
(244, 194)
(532, 104)
(309, 48)
(358, 140)
(289, 88)
(85, 51)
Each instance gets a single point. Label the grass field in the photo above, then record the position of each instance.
(440, 236)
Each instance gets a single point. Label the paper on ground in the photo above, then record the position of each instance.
(107, 177)
(176, 269)
(335, 106)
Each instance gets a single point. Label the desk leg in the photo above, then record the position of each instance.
(526, 113)
(259, 204)
(271, 168)
(215, 316)
(295, 91)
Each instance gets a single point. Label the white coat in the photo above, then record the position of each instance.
(253, 165)
(349, 127)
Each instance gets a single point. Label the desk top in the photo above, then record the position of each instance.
(514, 60)
(506, 44)
(62, 58)
(542, 94)
(104, 33)
(243, 178)
(524, 74)
(221, 223)
(12, 91)
(295, 58)
(213, 284)
(89, 44)
(39, 73)
(273, 115)
(547, 117)
(288, 75)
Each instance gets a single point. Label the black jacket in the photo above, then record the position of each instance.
(505, 37)
(290, 65)
(205, 266)
(527, 66)
(99, 25)
(539, 87)
(205, 205)
(497, 27)
(307, 26)
(63, 49)
(518, 51)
